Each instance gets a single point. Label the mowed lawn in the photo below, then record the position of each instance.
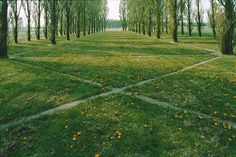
(190, 112)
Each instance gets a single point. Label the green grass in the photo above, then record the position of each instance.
(48, 76)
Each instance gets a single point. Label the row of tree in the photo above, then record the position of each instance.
(147, 16)
(64, 17)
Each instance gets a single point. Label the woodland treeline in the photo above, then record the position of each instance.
(61, 18)
(173, 16)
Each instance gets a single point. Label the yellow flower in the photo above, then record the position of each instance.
(119, 137)
(200, 117)
(74, 138)
(215, 113)
(97, 155)
(216, 123)
(78, 133)
(229, 127)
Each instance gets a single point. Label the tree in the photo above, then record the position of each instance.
(212, 17)
(78, 11)
(228, 26)
(61, 5)
(159, 7)
(46, 19)
(182, 12)
(3, 28)
(84, 17)
(123, 14)
(15, 10)
(27, 6)
(53, 5)
(38, 10)
(189, 12)
(174, 15)
(68, 5)
(199, 17)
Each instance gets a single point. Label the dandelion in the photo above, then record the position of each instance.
(225, 114)
(97, 155)
(118, 134)
(74, 138)
(229, 127)
(200, 117)
(216, 123)
(145, 126)
(78, 133)
(215, 113)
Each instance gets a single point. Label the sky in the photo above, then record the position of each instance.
(113, 6)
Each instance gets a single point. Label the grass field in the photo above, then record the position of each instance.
(118, 94)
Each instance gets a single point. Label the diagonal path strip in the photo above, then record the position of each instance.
(59, 108)
(113, 91)
(23, 52)
(173, 73)
(59, 73)
(169, 105)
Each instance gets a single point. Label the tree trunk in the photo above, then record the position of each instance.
(227, 38)
(199, 21)
(150, 24)
(61, 24)
(84, 27)
(182, 17)
(167, 20)
(16, 29)
(28, 29)
(3, 28)
(53, 22)
(213, 18)
(46, 22)
(67, 20)
(189, 18)
(175, 24)
(159, 27)
(39, 17)
(78, 24)
(28, 21)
